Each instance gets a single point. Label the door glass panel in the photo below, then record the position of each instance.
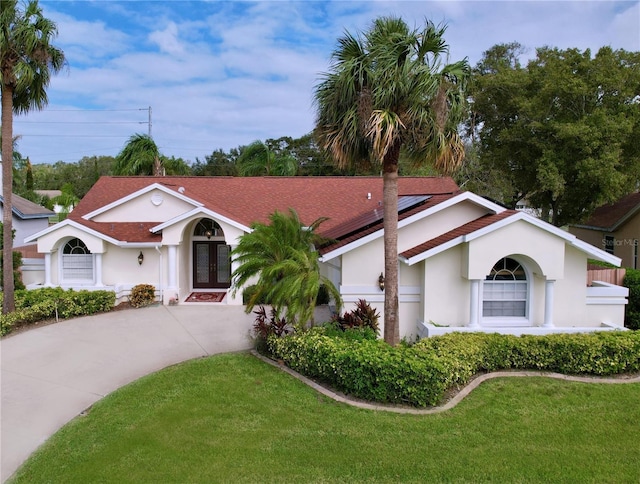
(224, 264)
(202, 263)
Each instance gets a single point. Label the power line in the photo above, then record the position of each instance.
(81, 122)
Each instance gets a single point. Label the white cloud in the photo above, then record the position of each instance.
(222, 74)
(167, 40)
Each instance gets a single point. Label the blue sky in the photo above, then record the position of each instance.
(223, 74)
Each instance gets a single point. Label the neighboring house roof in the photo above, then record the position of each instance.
(26, 209)
(611, 216)
(49, 193)
(251, 199)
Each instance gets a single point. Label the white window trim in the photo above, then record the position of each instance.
(508, 321)
(77, 282)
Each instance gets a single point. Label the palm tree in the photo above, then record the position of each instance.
(258, 160)
(140, 156)
(388, 90)
(27, 60)
(281, 255)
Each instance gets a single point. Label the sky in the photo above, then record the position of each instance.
(206, 75)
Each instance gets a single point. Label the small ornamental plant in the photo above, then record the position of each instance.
(142, 295)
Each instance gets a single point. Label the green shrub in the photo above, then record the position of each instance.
(632, 310)
(323, 296)
(362, 316)
(366, 369)
(420, 375)
(142, 295)
(49, 303)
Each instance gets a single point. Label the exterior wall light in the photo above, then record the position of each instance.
(381, 281)
(208, 233)
(140, 258)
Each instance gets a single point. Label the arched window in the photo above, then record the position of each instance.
(208, 228)
(505, 290)
(77, 262)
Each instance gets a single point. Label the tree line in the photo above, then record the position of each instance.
(559, 133)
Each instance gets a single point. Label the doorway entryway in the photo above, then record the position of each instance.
(211, 265)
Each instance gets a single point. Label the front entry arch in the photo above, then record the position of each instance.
(211, 257)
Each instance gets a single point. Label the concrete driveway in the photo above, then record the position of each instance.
(51, 374)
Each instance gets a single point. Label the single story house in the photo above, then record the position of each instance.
(466, 263)
(615, 228)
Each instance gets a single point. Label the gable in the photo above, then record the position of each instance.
(460, 207)
(151, 206)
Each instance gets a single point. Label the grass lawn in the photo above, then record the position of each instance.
(233, 418)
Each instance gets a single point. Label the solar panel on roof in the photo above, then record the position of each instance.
(366, 219)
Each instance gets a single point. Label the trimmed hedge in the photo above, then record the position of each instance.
(632, 310)
(49, 303)
(419, 375)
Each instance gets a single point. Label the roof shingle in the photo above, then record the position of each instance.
(253, 199)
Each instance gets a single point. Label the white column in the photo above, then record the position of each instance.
(474, 308)
(172, 266)
(99, 270)
(548, 304)
(47, 269)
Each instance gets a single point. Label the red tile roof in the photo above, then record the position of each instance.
(253, 199)
(464, 229)
(609, 216)
(126, 231)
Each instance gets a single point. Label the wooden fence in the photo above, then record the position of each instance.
(612, 276)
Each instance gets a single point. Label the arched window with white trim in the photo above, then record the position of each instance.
(505, 291)
(77, 262)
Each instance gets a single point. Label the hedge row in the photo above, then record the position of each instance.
(632, 310)
(420, 375)
(48, 303)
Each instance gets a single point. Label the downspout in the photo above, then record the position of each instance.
(157, 247)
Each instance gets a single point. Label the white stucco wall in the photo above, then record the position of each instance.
(520, 237)
(427, 228)
(56, 239)
(446, 292)
(153, 206)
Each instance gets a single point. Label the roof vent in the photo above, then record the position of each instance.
(181, 190)
(369, 196)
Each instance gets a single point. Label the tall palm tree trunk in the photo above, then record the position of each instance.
(390, 228)
(8, 303)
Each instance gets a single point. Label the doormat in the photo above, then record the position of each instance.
(206, 297)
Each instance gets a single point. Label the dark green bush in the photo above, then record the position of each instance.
(362, 316)
(249, 291)
(49, 303)
(632, 310)
(142, 295)
(368, 369)
(420, 374)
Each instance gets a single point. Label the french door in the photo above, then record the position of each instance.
(211, 265)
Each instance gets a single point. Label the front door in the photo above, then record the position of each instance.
(211, 265)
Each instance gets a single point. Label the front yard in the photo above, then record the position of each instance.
(233, 418)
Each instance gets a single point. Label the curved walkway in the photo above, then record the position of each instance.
(450, 403)
(51, 374)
